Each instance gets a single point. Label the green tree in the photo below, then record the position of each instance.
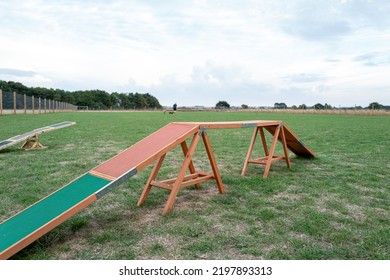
(374, 106)
(152, 101)
(139, 101)
(222, 105)
(302, 106)
(94, 99)
(319, 106)
(115, 100)
(280, 106)
(327, 106)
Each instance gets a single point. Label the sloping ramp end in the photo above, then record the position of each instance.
(24, 228)
(294, 144)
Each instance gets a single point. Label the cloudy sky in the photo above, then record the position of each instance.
(254, 52)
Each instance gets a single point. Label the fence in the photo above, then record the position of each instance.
(14, 103)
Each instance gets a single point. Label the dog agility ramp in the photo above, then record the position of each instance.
(26, 136)
(25, 227)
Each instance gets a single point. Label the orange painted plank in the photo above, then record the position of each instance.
(147, 150)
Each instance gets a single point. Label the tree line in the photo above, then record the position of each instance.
(326, 106)
(94, 99)
(318, 106)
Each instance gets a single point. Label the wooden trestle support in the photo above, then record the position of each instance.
(183, 180)
(269, 155)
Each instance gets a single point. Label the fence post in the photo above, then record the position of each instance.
(1, 102)
(14, 102)
(25, 104)
(39, 105)
(44, 101)
(33, 104)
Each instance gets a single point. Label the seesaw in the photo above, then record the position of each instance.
(31, 139)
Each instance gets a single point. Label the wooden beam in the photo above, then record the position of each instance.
(272, 152)
(213, 162)
(152, 177)
(285, 148)
(250, 150)
(191, 166)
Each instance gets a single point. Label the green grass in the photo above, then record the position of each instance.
(333, 207)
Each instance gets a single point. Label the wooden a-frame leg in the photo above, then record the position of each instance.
(249, 154)
(152, 177)
(272, 152)
(213, 162)
(182, 172)
(261, 130)
(191, 166)
(284, 143)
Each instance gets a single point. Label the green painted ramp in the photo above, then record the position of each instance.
(47, 210)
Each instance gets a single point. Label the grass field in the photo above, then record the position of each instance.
(334, 207)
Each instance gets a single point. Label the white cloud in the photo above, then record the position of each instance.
(200, 52)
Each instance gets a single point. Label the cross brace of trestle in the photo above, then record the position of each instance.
(32, 143)
(182, 180)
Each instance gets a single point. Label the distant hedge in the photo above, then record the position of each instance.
(94, 99)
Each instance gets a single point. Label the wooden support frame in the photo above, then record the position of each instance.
(182, 180)
(269, 155)
(32, 143)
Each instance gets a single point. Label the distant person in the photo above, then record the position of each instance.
(174, 107)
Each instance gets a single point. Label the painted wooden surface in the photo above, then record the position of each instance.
(22, 229)
(23, 137)
(36, 220)
(147, 150)
(294, 144)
